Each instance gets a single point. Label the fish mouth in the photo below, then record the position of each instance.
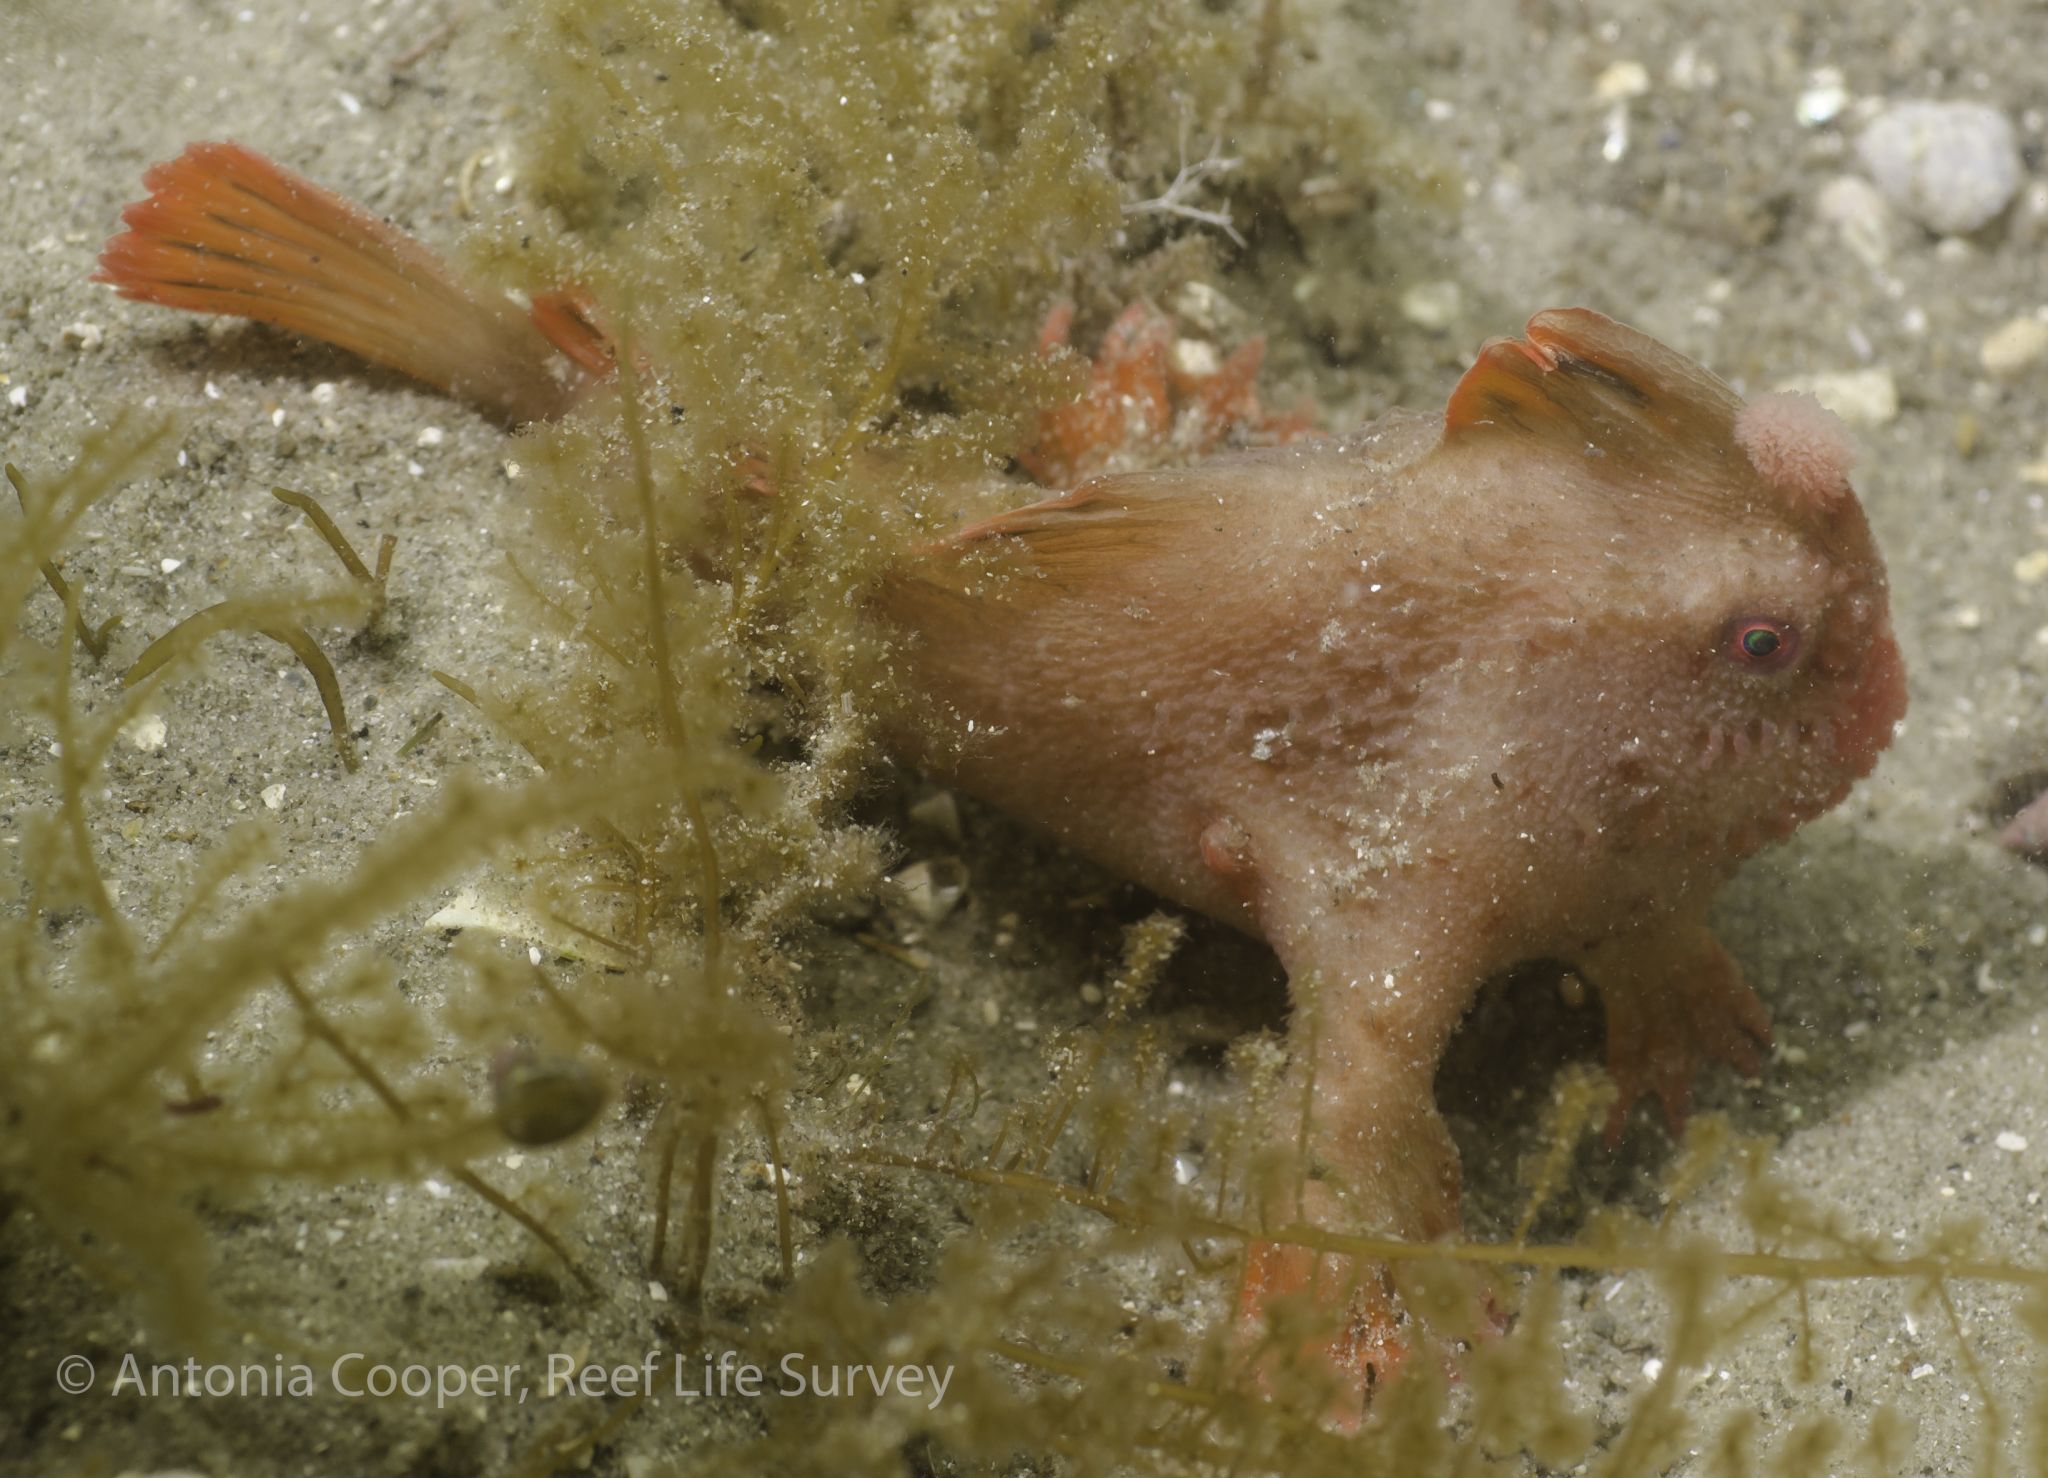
(1842, 749)
(1761, 737)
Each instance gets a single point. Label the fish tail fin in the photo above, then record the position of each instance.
(224, 230)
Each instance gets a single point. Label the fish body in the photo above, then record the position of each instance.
(1526, 679)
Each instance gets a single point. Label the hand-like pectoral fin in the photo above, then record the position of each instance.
(1371, 1013)
(1675, 1000)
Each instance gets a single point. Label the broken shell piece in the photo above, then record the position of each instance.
(542, 1100)
(1861, 217)
(469, 910)
(930, 890)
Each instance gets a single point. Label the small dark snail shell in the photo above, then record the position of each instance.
(538, 1099)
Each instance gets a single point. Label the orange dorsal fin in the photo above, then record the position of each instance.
(1112, 525)
(1100, 514)
(1641, 419)
(1581, 381)
(225, 230)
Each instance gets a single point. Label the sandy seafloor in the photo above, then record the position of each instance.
(1903, 954)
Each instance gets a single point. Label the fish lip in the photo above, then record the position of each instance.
(1876, 706)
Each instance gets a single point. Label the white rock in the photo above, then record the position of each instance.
(2013, 347)
(1865, 397)
(1950, 166)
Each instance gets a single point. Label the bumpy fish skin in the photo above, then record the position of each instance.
(1524, 681)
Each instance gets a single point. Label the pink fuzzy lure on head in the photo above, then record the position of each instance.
(1797, 444)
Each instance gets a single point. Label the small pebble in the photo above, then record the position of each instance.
(273, 796)
(1823, 98)
(1967, 434)
(1614, 141)
(2013, 347)
(1622, 80)
(147, 732)
(1195, 359)
(1691, 73)
(2031, 569)
(2010, 1142)
(1950, 166)
(1432, 305)
(83, 335)
(1865, 397)
(930, 890)
(1202, 307)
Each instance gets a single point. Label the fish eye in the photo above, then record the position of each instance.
(1760, 643)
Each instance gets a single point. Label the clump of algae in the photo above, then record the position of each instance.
(822, 238)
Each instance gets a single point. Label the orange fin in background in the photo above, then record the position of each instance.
(569, 316)
(224, 230)
(1146, 406)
